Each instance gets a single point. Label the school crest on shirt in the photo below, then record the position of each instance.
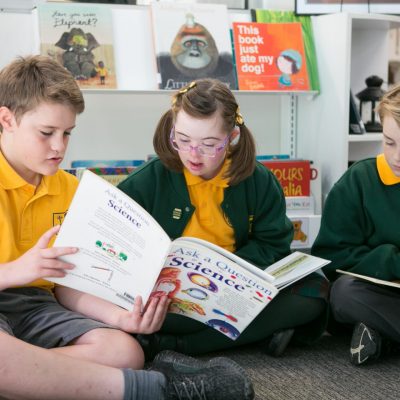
(58, 218)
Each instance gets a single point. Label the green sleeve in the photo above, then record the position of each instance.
(354, 224)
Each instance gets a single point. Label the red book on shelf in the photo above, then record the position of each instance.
(270, 56)
(293, 175)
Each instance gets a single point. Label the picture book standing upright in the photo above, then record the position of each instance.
(294, 175)
(270, 56)
(80, 37)
(192, 41)
(268, 16)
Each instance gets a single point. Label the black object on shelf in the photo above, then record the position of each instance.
(368, 98)
(356, 124)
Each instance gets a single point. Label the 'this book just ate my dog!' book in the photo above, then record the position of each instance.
(270, 56)
(124, 252)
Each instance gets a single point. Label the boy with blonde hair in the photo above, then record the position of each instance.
(39, 102)
(360, 233)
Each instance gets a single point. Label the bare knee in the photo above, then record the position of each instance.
(113, 347)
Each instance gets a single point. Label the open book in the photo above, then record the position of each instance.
(294, 267)
(124, 253)
(371, 279)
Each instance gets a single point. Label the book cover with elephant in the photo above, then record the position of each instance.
(80, 37)
(192, 41)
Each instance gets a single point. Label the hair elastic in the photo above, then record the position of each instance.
(182, 91)
(239, 121)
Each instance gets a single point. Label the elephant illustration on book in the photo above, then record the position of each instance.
(78, 57)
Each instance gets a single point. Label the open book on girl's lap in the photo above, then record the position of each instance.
(124, 253)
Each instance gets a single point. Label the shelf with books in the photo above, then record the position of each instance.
(119, 123)
(304, 93)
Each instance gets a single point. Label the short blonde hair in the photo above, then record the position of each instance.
(390, 105)
(28, 81)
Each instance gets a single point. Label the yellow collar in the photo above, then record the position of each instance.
(9, 179)
(385, 172)
(218, 180)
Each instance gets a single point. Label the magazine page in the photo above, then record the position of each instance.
(294, 267)
(117, 259)
(395, 283)
(210, 288)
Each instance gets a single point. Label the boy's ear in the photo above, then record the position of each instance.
(7, 118)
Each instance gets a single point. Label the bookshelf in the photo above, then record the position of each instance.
(350, 47)
(119, 124)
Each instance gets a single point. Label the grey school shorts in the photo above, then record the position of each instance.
(34, 316)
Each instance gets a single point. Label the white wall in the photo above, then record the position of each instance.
(120, 123)
(273, 4)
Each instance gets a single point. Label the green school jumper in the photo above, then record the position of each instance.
(360, 227)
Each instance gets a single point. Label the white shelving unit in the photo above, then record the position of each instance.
(350, 47)
(120, 123)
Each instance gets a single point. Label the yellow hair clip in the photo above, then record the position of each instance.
(187, 88)
(182, 91)
(239, 121)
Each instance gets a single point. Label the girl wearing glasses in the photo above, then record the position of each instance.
(206, 183)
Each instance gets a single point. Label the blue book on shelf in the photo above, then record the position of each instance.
(262, 157)
(105, 163)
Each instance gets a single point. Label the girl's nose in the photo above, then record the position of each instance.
(195, 150)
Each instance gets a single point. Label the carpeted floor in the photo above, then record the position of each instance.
(319, 372)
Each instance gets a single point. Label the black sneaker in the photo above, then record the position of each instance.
(191, 379)
(278, 342)
(149, 344)
(365, 344)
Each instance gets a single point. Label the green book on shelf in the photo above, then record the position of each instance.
(270, 16)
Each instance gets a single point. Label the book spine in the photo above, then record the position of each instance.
(293, 175)
(296, 205)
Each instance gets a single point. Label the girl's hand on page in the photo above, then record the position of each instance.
(148, 321)
(38, 262)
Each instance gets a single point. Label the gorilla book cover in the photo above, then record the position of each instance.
(192, 41)
(80, 37)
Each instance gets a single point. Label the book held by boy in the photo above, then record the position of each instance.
(395, 283)
(124, 252)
